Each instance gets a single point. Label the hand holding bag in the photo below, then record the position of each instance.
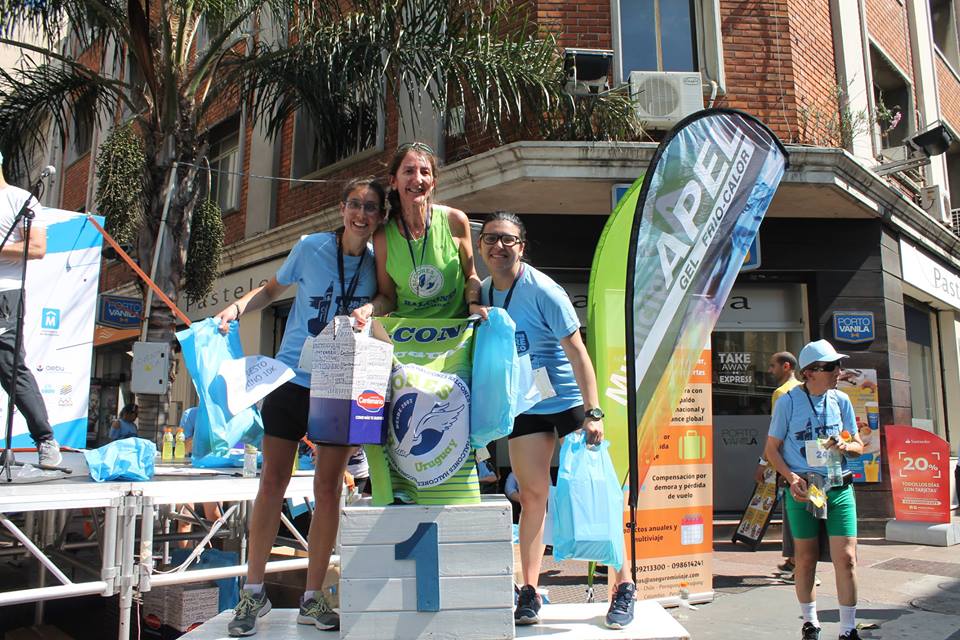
(588, 510)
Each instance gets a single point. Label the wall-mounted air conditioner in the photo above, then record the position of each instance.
(664, 98)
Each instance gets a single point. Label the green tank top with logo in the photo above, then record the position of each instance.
(426, 271)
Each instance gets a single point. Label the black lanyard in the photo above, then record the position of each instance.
(346, 294)
(506, 301)
(423, 249)
(826, 398)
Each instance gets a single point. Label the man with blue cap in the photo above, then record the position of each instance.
(809, 421)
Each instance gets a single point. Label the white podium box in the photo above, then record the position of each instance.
(417, 571)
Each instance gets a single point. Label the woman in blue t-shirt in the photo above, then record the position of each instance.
(549, 331)
(335, 273)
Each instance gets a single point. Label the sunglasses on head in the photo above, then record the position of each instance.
(506, 239)
(416, 146)
(826, 366)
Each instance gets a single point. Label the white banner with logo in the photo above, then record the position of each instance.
(61, 305)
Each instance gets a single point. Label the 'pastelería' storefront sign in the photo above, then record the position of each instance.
(854, 327)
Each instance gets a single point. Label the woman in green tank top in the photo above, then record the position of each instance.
(424, 255)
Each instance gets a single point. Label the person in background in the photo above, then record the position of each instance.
(334, 274)
(29, 400)
(783, 369)
(125, 426)
(809, 421)
(547, 329)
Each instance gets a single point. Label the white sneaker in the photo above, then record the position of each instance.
(48, 453)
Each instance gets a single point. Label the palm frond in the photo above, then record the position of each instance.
(38, 96)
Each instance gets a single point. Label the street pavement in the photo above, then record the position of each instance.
(909, 592)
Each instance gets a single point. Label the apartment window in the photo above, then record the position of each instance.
(80, 138)
(314, 150)
(893, 101)
(224, 158)
(668, 35)
(943, 17)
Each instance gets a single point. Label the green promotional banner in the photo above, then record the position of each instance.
(427, 458)
(605, 339)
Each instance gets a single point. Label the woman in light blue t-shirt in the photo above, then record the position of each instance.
(549, 331)
(334, 274)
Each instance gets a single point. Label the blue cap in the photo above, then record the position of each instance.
(819, 351)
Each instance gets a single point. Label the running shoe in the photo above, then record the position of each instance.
(528, 606)
(620, 613)
(810, 631)
(320, 614)
(48, 453)
(246, 616)
(850, 635)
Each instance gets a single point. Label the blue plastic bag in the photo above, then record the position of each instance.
(127, 459)
(216, 430)
(588, 509)
(502, 383)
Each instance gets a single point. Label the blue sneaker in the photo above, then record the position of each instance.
(528, 606)
(620, 613)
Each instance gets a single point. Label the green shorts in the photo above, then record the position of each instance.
(841, 515)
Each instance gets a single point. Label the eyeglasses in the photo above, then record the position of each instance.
(506, 239)
(416, 146)
(827, 366)
(369, 208)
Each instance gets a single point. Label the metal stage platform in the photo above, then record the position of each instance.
(559, 622)
(130, 525)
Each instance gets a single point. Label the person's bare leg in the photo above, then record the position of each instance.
(331, 462)
(843, 552)
(807, 552)
(265, 521)
(530, 457)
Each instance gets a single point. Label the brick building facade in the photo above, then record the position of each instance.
(818, 72)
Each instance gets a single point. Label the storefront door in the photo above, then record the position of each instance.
(759, 320)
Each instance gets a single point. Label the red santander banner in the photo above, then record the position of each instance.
(919, 474)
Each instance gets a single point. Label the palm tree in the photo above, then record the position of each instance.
(333, 63)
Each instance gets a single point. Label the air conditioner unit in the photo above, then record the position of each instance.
(664, 98)
(955, 221)
(935, 202)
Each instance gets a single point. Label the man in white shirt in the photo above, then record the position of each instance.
(28, 399)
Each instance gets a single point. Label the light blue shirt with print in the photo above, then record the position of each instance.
(544, 315)
(312, 266)
(797, 420)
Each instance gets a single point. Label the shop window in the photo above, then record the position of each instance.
(741, 384)
(314, 150)
(667, 35)
(923, 365)
(224, 157)
(893, 102)
(943, 18)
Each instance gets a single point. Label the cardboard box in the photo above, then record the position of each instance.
(350, 384)
(180, 607)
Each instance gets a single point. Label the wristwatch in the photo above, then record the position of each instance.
(594, 414)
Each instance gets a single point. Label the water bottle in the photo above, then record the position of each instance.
(834, 465)
(166, 451)
(249, 461)
(180, 446)
(685, 607)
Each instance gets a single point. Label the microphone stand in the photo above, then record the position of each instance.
(25, 217)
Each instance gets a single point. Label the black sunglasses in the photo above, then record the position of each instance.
(506, 239)
(827, 366)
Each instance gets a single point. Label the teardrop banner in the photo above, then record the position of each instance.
(703, 198)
